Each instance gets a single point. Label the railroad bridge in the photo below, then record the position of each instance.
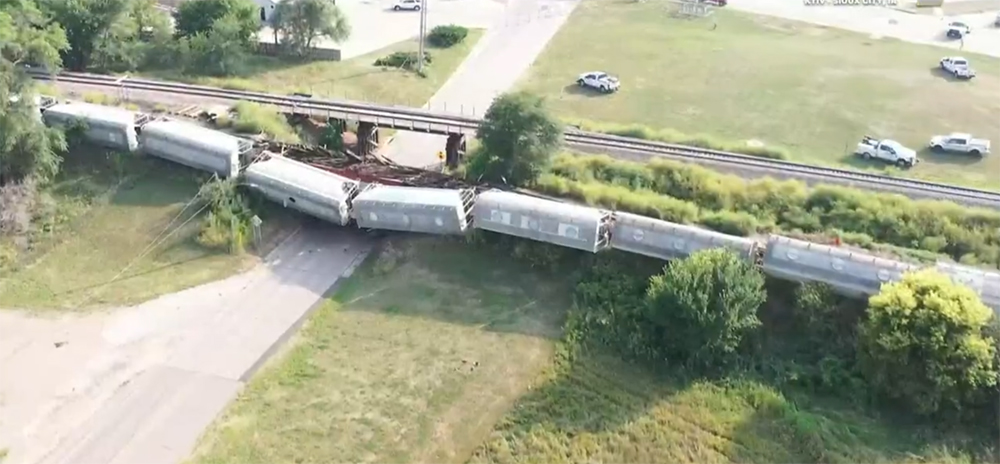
(456, 129)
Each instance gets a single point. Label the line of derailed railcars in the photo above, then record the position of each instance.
(340, 200)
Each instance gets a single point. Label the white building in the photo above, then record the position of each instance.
(266, 9)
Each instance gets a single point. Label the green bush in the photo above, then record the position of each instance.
(447, 35)
(227, 224)
(251, 118)
(685, 193)
(401, 59)
(672, 136)
(701, 308)
(925, 344)
(731, 222)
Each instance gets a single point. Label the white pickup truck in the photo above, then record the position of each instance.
(958, 67)
(889, 151)
(600, 81)
(961, 143)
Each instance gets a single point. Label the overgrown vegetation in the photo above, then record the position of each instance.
(685, 193)
(518, 137)
(252, 118)
(447, 35)
(674, 136)
(226, 225)
(803, 339)
(403, 59)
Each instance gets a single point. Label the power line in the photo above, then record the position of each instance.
(161, 238)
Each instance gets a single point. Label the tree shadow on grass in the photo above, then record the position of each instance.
(824, 430)
(575, 89)
(452, 281)
(955, 159)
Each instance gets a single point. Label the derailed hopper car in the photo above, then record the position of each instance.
(413, 209)
(666, 240)
(302, 187)
(106, 125)
(550, 221)
(194, 146)
(986, 284)
(848, 272)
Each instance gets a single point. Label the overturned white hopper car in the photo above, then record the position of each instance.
(194, 146)
(848, 272)
(986, 284)
(544, 220)
(299, 186)
(666, 240)
(411, 209)
(106, 125)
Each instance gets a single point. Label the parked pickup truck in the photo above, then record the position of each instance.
(958, 67)
(889, 151)
(961, 143)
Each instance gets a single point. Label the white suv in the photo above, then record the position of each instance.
(407, 5)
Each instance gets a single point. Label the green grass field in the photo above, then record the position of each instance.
(812, 90)
(416, 357)
(386, 372)
(97, 220)
(354, 79)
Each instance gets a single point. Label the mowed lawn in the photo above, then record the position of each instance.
(354, 79)
(417, 356)
(96, 243)
(735, 77)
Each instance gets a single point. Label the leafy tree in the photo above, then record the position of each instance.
(300, 22)
(27, 148)
(86, 22)
(219, 51)
(136, 34)
(196, 17)
(924, 343)
(517, 139)
(701, 307)
(26, 36)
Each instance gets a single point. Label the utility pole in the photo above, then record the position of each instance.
(423, 34)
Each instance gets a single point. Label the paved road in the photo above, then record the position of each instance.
(505, 52)
(888, 22)
(152, 377)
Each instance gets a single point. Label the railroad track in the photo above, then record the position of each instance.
(615, 145)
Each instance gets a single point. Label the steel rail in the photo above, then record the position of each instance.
(733, 161)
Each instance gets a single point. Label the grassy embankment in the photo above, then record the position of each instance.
(688, 194)
(99, 216)
(426, 349)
